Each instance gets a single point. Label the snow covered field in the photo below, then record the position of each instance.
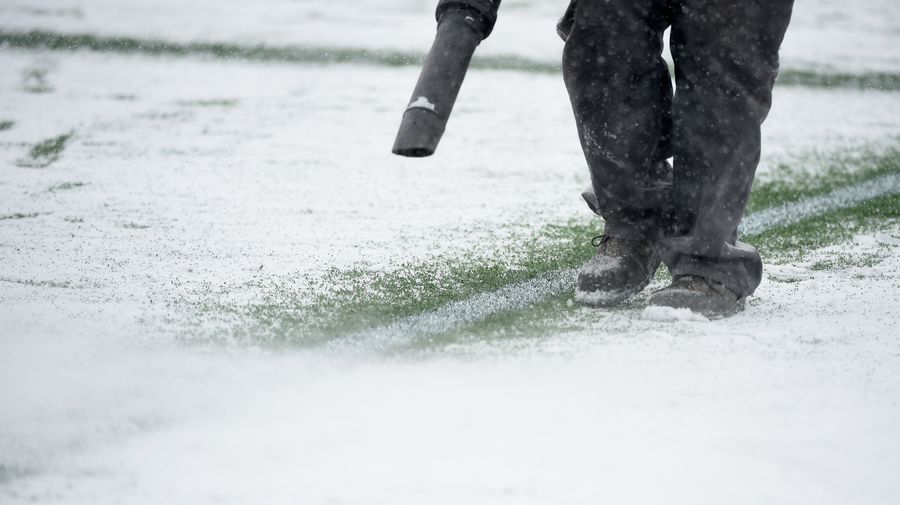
(163, 219)
(854, 36)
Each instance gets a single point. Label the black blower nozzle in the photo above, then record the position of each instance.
(462, 25)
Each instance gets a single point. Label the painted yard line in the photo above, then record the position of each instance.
(456, 315)
(794, 212)
(321, 55)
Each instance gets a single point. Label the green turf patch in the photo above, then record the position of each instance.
(34, 80)
(38, 39)
(304, 311)
(225, 102)
(880, 81)
(844, 261)
(46, 152)
(37, 283)
(65, 186)
(135, 226)
(6, 125)
(791, 243)
(18, 215)
(792, 182)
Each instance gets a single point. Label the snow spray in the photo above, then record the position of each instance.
(462, 25)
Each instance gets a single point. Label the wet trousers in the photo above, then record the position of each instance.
(630, 121)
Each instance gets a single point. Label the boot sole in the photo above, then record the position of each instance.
(605, 299)
(679, 301)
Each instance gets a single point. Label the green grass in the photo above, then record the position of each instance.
(791, 183)
(792, 242)
(36, 283)
(34, 80)
(881, 81)
(18, 215)
(65, 186)
(135, 226)
(304, 310)
(46, 152)
(39, 39)
(208, 103)
(155, 47)
(844, 261)
(556, 314)
(6, 125)
(308, 311)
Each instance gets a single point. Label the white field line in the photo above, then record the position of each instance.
(790, 213)
(456, 315)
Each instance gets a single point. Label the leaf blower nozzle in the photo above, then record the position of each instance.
(462, 25)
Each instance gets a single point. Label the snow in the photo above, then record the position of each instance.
(670, 314)
(825, 34)
(777, 404)
(421, 102)
(203, 180)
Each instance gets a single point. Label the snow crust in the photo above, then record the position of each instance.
(197, 176)
(670, 314)
(797, 395)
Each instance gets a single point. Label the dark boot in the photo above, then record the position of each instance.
(704, 296)
(620, 269)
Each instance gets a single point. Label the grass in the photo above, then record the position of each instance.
(39, 39)
(18, 215)
(34, 80)
(879, 81)
(556, 314)
(36, 283)
(208, 103)
(46, 152)
(790, 243)
(790, 183)
(844, 261)
(65, 186)
(6, 125)
(309, 311)
(135, 226)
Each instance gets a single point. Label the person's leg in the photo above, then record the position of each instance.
(726, 60)
(621, 93)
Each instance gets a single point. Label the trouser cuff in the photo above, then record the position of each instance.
(734, 275)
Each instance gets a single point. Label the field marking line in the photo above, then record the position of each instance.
(790, 213)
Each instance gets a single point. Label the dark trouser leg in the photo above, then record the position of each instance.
(621, 93)
(726, 60)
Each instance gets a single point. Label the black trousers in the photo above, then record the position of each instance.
(630, 121)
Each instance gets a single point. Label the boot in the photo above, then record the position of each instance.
(620, 269)
(701, 295)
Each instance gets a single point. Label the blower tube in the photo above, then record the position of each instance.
(462, 25)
